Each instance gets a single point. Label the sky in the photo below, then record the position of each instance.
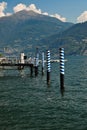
(74, 11)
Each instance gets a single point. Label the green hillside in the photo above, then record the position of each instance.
(74, 40)
(24, 30)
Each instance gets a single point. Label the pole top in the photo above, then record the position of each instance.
(61, 48)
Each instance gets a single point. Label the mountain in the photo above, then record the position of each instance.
(74, 40)
(24, 30)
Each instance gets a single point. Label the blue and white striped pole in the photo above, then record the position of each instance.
(48, 67)
(62, 68)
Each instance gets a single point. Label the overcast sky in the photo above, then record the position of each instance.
(65, 10)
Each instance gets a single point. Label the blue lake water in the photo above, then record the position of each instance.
(28, 103)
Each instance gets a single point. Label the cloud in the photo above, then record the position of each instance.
(8, 14)
(32, 7)
(3, 6)
(82, 17)
(59, 17)
(20, 7)
(45, 13)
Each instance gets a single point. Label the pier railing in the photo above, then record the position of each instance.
(15, 61)
(23, 61)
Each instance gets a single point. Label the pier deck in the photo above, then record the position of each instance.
(16, 64)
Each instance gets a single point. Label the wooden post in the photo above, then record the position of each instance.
(36, 66)
(62, 68)
(36, 62)
(48, 67)
(31, 69)
(43, 63)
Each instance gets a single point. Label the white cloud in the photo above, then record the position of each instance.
(32, 7)
(20, 7)
(82, 17)
(59, 17)
(3, 6)
(45, 13)
(8, 14)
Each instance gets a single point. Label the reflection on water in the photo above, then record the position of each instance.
(22, 73)
(62, 91)
(1, 73)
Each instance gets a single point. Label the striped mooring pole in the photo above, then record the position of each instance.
(48, 67)
(42, 63)
(62, 68)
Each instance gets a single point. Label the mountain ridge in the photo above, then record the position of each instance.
(24, 30)
(74, 40)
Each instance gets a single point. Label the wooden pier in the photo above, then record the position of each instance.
(19, 63)
(16, 62)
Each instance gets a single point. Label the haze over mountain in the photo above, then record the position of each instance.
(24, 30)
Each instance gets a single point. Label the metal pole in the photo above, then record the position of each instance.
(62, 68)
(48, 67)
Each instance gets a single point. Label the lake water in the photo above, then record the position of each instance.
(28, 103)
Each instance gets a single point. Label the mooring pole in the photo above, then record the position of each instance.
(36, 62)
(31, 69)
(22, 61)
(42, 63)
(62, 68)
(36, 66)
(48, 67)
